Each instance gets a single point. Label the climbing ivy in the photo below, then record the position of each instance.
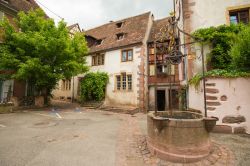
(195, 81)
(221, 39)
(93, 86)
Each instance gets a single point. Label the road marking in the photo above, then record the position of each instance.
(2, 125)
(58, 116)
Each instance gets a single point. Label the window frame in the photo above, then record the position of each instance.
(66, 85)
(100, 57)
(119, 84)
(127, 51)
(236, 9)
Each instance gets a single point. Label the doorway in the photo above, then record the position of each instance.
(161, 100)
(174, 99)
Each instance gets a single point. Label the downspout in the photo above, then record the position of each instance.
(185, 58)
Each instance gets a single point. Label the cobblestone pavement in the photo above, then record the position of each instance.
(133, 150)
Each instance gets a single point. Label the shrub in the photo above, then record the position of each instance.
(93, 86)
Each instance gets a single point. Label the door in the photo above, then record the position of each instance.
(161, 100)
(174, 99)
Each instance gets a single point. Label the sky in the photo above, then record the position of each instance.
(93, 13)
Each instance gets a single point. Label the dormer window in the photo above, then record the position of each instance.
(99, 42)
(120, 36)
(119, 24)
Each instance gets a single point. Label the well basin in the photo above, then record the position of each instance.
(182, 137)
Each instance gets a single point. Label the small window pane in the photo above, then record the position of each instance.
(233, 20)
(118, 82)
(129, 82)
(151, 70)
(130, 55)
(99, 60)
(124, 56)
(102, 59)
(124, 82)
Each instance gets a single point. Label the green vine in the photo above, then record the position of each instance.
(221, 39)
(93, 86)
(218, 73)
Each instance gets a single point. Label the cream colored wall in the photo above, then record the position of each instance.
(238, 99)
(113, 66)
(212, 12)
(5, 88)
(58, 92)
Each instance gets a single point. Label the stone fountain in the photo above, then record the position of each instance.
(178, 136)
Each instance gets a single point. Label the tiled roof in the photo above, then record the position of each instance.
(157, 27)
(21, 5)
(133, 28)
(73, 26)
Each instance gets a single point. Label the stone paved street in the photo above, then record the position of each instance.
(91, 137)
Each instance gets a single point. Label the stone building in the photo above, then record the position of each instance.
(9, 9)
(227, 99)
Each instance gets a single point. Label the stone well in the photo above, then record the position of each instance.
(183, 138)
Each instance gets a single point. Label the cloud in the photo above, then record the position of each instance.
(92, 13)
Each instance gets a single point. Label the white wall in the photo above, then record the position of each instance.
(211, 12)
(113, 66)
(238, 99)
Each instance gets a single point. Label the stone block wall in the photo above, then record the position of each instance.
(227, 99)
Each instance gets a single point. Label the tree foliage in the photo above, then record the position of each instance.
(41, 52)
(93, 86)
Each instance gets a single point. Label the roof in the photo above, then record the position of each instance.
(70, 27)
(158, 26)
(20, 5)
(134, 29)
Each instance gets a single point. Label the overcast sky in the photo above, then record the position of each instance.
(92, 13)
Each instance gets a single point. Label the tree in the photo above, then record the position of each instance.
(41, 52)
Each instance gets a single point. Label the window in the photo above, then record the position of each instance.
(120, 36)
(129, 82)
(118, 82)
(98, 59)
(124, 82)
(1, 15)
(239, 16)
(119, 25)
(66, 85)
(127, 55)
(98, 42)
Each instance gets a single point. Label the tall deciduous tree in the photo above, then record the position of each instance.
(41, 52)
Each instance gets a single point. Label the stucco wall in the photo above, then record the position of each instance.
(212, 12)
(227, 98)
(5, 89)
(58, 93)
(113, 66)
